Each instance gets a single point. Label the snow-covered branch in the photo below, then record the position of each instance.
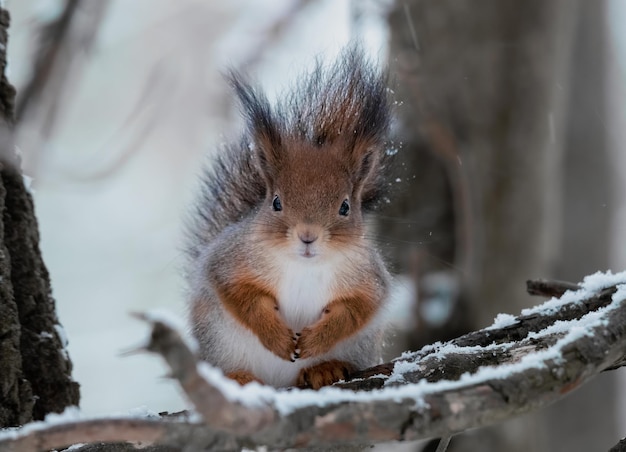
(517, 365)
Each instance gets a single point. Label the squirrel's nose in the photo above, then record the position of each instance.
(307, 237)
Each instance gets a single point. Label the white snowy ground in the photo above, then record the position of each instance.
(112, 243)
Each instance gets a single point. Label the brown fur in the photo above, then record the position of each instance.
(317, 149)
(324, 374)
(341, 319)
(243, 377)
(257, 310)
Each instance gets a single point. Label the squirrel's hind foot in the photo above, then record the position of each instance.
(325, 374)
(243, 377)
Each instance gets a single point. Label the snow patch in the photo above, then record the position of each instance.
(502, 321)
(399, 369)
(143, 412)
(45, 335)
(391, 151)
(28, 184)
(591, 285)
(64, 342)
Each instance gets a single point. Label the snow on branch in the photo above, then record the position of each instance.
(516, 365)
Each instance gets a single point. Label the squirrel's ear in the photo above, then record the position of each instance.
(263, 128)
(364, 160)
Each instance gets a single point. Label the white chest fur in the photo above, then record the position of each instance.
(305, 288)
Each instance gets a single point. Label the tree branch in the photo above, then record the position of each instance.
(59, 42)
(549, 288)
(210, 400)
(53, 36)
(517, 365)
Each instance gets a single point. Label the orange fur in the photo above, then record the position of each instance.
(324, 374)
(243, 377)
(257, 310)
(341, 319)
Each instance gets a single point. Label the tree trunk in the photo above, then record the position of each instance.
(483, 92)
(36, 370)
(586, 236)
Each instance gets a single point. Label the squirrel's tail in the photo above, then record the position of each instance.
(229, 190)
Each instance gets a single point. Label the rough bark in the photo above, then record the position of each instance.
(440, 390)
(619, 447)
(36, 371)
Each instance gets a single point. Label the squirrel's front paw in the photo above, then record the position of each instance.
(282, 343)
(324, 374)
(312, 343)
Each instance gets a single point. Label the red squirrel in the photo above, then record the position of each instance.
(286, 286)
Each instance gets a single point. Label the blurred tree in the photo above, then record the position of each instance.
(496, 99)
(36, 371)
(585, 239)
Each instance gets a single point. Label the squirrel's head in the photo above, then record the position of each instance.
(321, 153)
(313, 201)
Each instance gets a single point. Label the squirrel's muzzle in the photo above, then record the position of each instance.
(308, 233)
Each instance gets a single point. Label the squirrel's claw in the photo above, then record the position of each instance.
(280, 343)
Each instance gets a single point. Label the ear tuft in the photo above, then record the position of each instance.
(365, 163)
(262, 125)
(346, 106)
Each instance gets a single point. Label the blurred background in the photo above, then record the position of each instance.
(509, 165)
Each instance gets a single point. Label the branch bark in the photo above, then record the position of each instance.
(517, 365)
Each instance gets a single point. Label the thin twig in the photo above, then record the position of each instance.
(548, 288)
(217, 411)
(51, 42)
(443, 444)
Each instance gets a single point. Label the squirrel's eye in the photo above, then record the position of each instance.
(276, 205)
(345, 208)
